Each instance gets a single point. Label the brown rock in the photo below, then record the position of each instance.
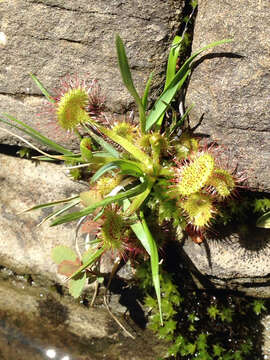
(35, 323)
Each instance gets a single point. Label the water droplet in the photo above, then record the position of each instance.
(51, 353)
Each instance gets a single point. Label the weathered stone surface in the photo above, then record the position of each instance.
(233, 260)
(33, 322)
(30, 317)
(266, 333)
(24, 247)
(52, 39)
(231, 92)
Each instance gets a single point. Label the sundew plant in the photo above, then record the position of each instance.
(144, 178)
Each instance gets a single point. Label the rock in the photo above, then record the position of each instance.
(35, 319)
(266, 337)
(35, 324)
(24, 247)
(51, 40)
(232, 259)
(231, 86)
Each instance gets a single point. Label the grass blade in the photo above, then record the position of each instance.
(146, 91)
(127, 167)
(180, 122)
(46, 205)
(108, 200)
(154, 262)
(36, 135)
(42, 88)
(264, 221)
(178, 80)
(127, 145)
(127, 79)
(137, 202)
(172, 60)
(89, 262)
(164, 100)
(106, 146)
(60, 211)
(171, 68)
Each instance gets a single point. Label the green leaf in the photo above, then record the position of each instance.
(172, 60)
(141, 235)
(60, 211)
(42, 206)
(138, 228)
(264, 221)
(146, 91)
(226, 314)
(91, 260)
(139, 199)
(128, 167)
(87, 255)
(61, 253)
(106, 146)
(164, 100)
(258, 306)
(127, 79)
(154, 262)
(127, 145)
(218, 350)
(108, 200)
(167, 96)
(180, 122)
(171, 68)
(42, 88)
(36, 135)
(76, 285)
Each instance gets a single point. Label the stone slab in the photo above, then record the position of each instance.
(24, 247)
(231, 86)
(51, 39)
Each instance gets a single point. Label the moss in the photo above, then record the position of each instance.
(198, 325)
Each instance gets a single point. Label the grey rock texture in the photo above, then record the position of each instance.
(51, 39)
(24, 247)
(233, 259)
(37, 316)
(231, 92)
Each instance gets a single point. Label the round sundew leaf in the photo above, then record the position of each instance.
(61, 253)
(222, 181)
(70, 109)
(89, 198)
(76, 285)
(199, 209)
(85, 147)
(68, 267)
(194, 176)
